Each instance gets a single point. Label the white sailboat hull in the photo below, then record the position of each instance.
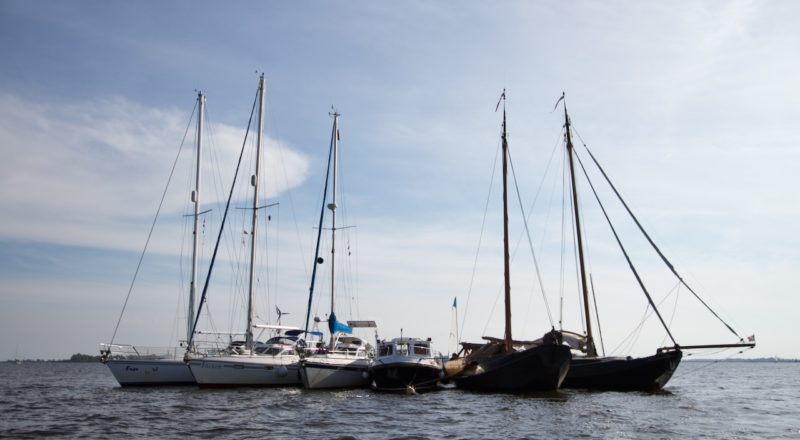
(138, 372)
(319, 372)
(230, 371)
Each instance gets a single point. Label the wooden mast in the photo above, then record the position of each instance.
(590, 349)
(507, 270)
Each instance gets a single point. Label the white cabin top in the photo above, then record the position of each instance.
(405, 347)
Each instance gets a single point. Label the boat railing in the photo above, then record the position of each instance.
(349, 353)
(140, 352)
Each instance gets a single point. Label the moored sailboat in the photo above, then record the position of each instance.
(272, 363)
(621, 373)
(505, 365)
(345, 363)
(250, 364)
(140, 366)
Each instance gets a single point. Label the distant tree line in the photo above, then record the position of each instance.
(80, 357)
(77, 357)
(763, 359)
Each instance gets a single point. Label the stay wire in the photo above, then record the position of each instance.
(635, 333)
(712, 362)
(658, 251)
(597, 315)
(152, 227)
(480, 239)
(530, 242)
(624, 252)
(222, 224)
(315, 263)
(575, 261)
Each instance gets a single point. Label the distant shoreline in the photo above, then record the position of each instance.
(77, 357)
(774, 360)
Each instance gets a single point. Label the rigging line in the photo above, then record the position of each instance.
(575, 252)
(277, 255)
(222, 224)
(152, 226)
(218, 187)
(597, 315)
(530, 242)
(270, 276)
(491, 312)
(562, 263)
(593, 300)
(181, 279)
(635, 332)
(677, 290)
(624, 252)
(190, 177)
(544, 177)
(319, 228)
(291, 206)
(714, 361)
(480, 240)
(219, 191)
(544, 222)
(630, 340)
(658, 251)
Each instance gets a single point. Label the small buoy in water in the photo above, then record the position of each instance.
(410, 390)
(282, 371)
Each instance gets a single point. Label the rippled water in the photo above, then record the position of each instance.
(721, 400)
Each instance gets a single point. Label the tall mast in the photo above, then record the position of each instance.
(590, 349)
(201, 102)
(507, 269)
(254, 180)
(319, 228)
(332, 207)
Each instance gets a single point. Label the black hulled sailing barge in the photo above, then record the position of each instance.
(588, 370)
(505, 365)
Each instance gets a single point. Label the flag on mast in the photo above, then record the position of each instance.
(454, 340)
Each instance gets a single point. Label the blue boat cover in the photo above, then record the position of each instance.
(337, 327)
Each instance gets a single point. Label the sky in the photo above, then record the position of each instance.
(691, 108)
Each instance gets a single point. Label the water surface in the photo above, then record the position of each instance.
(744, 400)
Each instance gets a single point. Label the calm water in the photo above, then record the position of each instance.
(722, 400)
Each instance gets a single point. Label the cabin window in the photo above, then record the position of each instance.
(402, 349)
(385, 350)
(272, 351)
(421, 349)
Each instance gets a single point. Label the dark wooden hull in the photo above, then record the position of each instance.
(623, 374)
(540, 368)
(400, 377)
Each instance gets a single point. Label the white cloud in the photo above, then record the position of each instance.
(91, 173)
